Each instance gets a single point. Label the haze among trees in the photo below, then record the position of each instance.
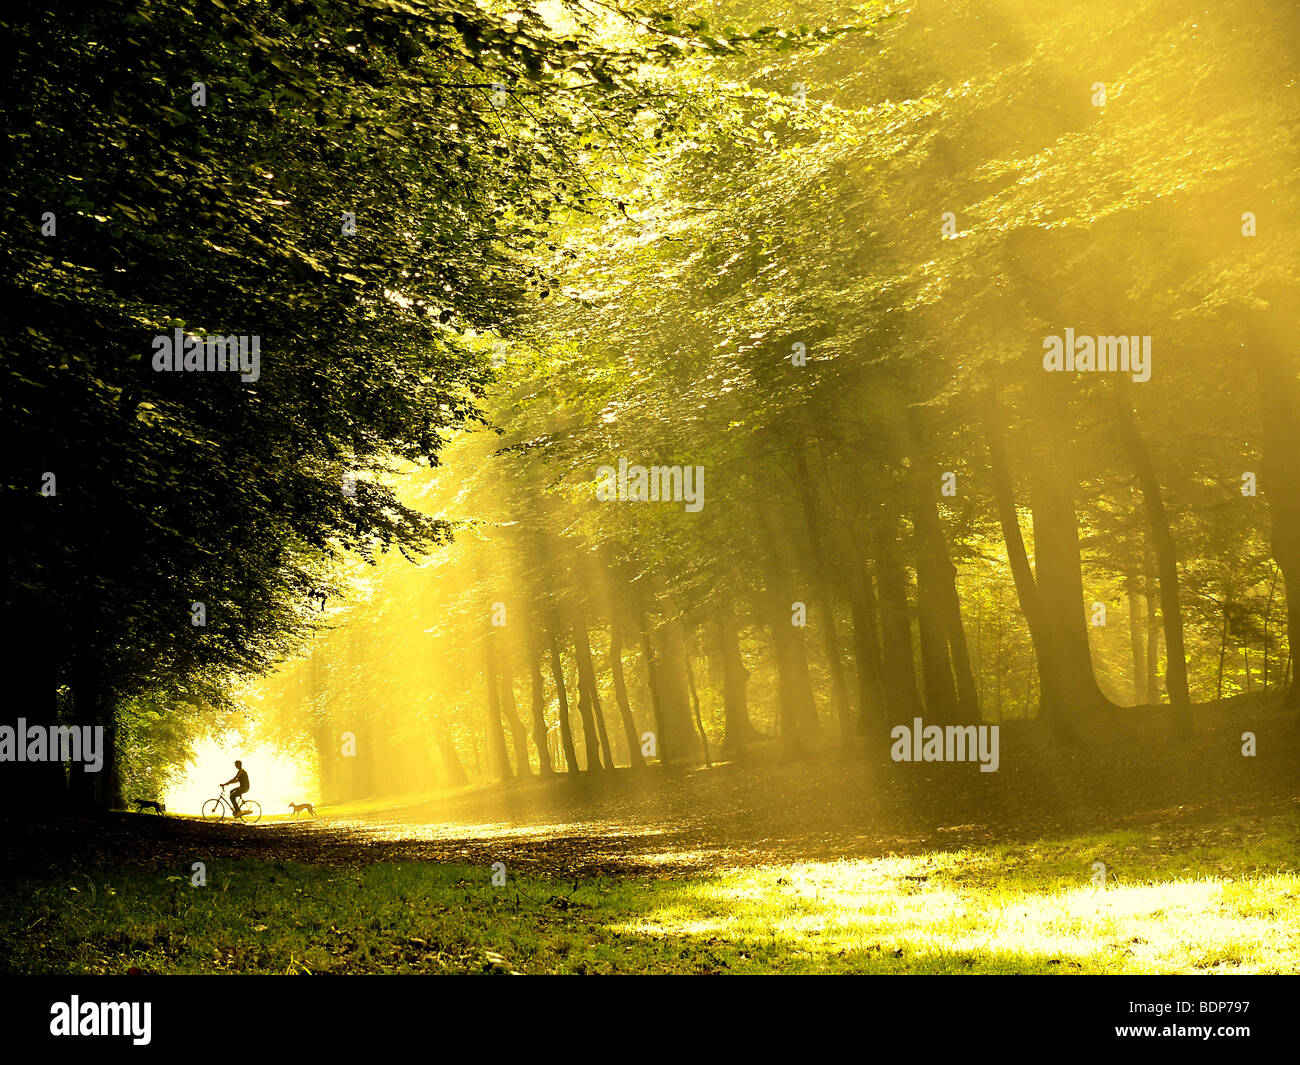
(954, 339)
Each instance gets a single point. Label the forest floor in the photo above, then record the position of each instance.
(834, 862)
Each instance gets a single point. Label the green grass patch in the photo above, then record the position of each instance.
(1223, 901)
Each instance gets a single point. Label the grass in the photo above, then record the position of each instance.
(1222, 899)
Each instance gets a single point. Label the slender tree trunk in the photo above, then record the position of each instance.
(451, 763)
(873, 706)
(1131, 580)
(620, 692)
(695, 704)
(937, 680)
(778, 621)
(518, 734)
(1268, 616)
(1138, 585)
(557, 675)
(498, 755)
(675, 687)
(1271, 351)
(935, 568)
(675, 735)
(1223, 647)
(805, 691)
(997, 674)
(936, 670)
(589, 697)
(1029, 683)
(1162, 541)
(897, 657)
(652, 680)
(734, 680)
(834, 657)
(110, 775)
(1153, 629)
(540, 732)
(322, 740)
(792, 661)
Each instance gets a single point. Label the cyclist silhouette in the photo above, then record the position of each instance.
(240, 778)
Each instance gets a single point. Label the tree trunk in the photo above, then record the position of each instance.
(451, 760)
(1153, 630)
(652, 680)
(674, 688)
(809, 721)
(518, 734)
(834, 657)
(29, 652)
(1162, 541)
(872, 701)
(1270, 349)
(935, 570)
(776, 613)
(735, 677)
(566, 731)
(897, 658)
(1056, 705)
(695, 704)
(1131, 583)
(589, 698)
(498, 755)
(620, 692)
(1268, 617)
(674, 734)
(1223, 645)
(795, 685)
(93, 709)
(540, 731)
(936, 670)
(1058, 572)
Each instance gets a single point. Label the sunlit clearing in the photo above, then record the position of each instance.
(275, 779)
(931, 914)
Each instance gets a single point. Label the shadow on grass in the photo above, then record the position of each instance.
(1226, 899)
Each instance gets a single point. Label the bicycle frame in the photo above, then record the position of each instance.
(227, 808)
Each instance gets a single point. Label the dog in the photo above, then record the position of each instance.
(299, 807)
(140, 804)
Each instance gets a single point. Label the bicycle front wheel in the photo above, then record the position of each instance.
(214, 810)
(250, 812)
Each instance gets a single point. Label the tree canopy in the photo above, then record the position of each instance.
(803, 268)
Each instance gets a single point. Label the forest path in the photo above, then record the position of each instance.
(830, 805)
(675, 821)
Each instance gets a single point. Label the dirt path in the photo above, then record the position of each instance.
(673, 821)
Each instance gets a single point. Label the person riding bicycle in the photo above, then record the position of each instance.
(240, 778)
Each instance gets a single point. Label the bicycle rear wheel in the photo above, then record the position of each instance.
(214, 810)
(250, 811)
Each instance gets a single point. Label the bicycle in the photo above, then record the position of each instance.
(250, 810)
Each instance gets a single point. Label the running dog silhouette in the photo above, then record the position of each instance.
(140, 804)
(299, 807)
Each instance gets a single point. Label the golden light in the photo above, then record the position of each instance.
(275, 778)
